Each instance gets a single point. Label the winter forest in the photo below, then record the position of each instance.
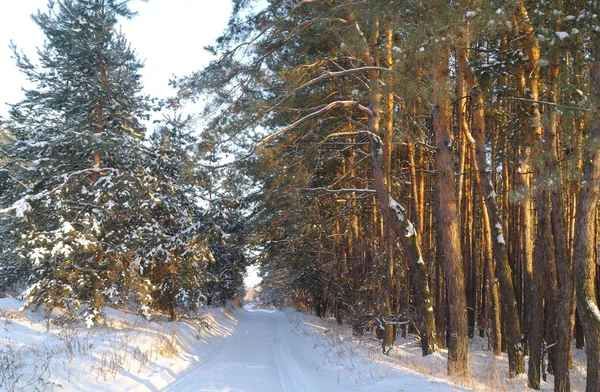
(430, 168)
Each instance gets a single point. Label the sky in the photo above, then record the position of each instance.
(168, 35)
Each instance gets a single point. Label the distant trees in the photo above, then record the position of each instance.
(424, 161)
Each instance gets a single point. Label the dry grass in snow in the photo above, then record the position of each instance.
(125, 353)
(359, 359)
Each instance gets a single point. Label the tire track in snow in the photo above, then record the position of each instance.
(289, 374)
(215, 358)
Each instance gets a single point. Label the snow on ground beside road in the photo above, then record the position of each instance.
(127, 353)
(340, 360)
(250, 350)
(343, 351)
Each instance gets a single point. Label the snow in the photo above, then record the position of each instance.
(593, 308)
(67, 228)
(356, 360)
(20, 208)
(394, 205)
(247, 349)
(358, 29)
(562, 34)
(470, 14)
(500, 239)
(410, 230)
(123, 353)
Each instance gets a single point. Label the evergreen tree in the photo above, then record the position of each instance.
(76, 159)
(11, 269)
(177, 255)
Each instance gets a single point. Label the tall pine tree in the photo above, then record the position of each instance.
(75, 159)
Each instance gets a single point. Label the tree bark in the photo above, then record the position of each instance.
(448, 223)
(542, 252)
(503, 269)
(560, 354)
(531, 173)
(585, 220)
(388, 234)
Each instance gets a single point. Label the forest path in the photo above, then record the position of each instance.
(257, 357)
(270, 351)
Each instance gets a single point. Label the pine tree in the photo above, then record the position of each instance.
(11, 269)
(76, 156)
(176, 256)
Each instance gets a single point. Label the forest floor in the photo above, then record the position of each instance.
(225, 350)
(351, 353)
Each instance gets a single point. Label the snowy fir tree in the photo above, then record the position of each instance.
(100, 214)
(11, 269)
(226, 239)
(177, 256)
(76, 152)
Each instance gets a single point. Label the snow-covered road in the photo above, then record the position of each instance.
(264, 355)
(254, 358)
(250, 360)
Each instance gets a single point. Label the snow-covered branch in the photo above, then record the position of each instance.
(332, 105)
(327, 75)
(340, 190)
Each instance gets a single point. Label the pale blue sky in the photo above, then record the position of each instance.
(168, 34)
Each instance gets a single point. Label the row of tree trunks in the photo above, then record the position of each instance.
(393, 214)
(503, 269)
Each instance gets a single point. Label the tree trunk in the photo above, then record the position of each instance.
(388, 235)
(503, 270)
(585, 220)
(533, 276)
(449, 224)
(441, 300)
(542, 252)
(496, 329)
(562, 274)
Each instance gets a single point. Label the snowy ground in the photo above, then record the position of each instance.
(488, 372)
(225, 350)
(127, 353)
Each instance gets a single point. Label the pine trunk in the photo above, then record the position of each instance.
(585, 220)
(503, 269)
(563, 303)
(449, 225)
(541, 254)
